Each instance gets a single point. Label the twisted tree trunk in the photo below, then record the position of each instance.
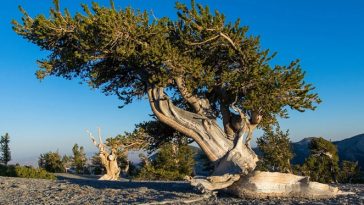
(108, 160)
(228, 156)
(234, 160)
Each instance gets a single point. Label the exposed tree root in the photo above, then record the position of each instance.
(268, 184)
(206, 185)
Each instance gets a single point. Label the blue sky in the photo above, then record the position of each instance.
(327, 35)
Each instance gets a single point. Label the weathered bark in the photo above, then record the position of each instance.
(199, 105)
(108, 160)
(213, 182)
(231, 157)
(234, 160)
(274, 184)
(240, 154)
(266, 185)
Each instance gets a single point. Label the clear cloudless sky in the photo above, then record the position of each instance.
(327, 35)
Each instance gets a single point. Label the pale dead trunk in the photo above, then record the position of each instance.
(274, 184)
(108, 160)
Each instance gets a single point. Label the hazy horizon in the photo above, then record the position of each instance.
(133, 156)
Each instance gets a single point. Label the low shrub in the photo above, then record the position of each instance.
(152, 173)
(25, 172)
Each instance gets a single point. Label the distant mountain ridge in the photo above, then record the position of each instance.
(351, 149)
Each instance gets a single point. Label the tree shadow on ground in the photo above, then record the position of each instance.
(170, 186)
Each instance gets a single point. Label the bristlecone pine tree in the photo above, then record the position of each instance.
(5, 156)
(276, 151)
(212, 68)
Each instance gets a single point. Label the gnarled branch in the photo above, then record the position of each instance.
(200, 105)
(205, 132)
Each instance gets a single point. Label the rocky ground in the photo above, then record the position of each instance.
(76, 190)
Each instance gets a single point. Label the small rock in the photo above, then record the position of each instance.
(4, 183)
(20, 186)
(23, 186)
(143, 190)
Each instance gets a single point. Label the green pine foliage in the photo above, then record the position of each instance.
(172, 162)
(156, 134)
(96, 161)
(51, 162)
(79, 158)
(122, 160)
(66, 161)
(125, 52)
(5, 154)
(122, 144)
(133, 170)
(276, 151)
(349, 172)
(323, 163)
